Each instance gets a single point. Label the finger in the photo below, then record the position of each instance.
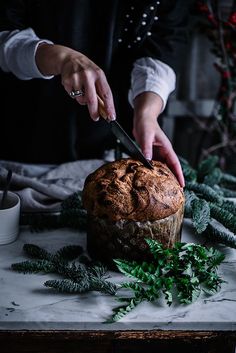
(174, 164)
(91, 97)
(73, 83)
(104, 91)
(145, 140)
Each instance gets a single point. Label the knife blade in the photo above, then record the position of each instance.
(124, 138)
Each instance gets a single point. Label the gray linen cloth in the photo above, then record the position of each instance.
(42, 188)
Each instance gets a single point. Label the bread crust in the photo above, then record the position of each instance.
(126, 190)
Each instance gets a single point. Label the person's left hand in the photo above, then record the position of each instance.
(150, 137)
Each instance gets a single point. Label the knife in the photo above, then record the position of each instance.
(124, 138)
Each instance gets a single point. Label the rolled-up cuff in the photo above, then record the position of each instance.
(35, 70)
(152, 75)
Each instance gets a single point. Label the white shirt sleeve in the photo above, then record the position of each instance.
(17, 53)
(152, 75)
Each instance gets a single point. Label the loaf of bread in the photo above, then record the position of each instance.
(126, 203)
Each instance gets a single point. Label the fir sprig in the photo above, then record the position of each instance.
(79, 277)
(206, 200)
(182, 272)
(72, 215)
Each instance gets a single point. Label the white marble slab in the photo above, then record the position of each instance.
(26, 304)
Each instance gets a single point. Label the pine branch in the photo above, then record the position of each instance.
(206, 167)
(189, 197)
(103, 286)
(79, 277)
(190, 173)
(224, 217)
(204, 202)
(34, 266)
(72, 215)
(69, 252)
(213, 178)
(68, 286)
(36, 252)
(207, 192)
(40, 221)
(225, 192)
(229, 206)
(200, 214)
(215, 233)
(228, 180)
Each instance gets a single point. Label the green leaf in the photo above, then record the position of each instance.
(123, 310)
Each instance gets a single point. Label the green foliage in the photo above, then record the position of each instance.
(205, 201)
(187, 269)
(35, 252)
(72, 215)
(79, 277)
(68, 286)
(225, 192)
(206, 167)
(190, 174)
(69, 252)
(200, 214)
(34, 266)
(215, 232)
(229, 181)
(205, 191)
(213, 178)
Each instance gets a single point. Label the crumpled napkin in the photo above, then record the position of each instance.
(42, 188)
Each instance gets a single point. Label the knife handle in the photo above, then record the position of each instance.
(101, 108)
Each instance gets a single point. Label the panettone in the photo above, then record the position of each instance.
(126, 203)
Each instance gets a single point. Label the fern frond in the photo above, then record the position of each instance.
(123, 310)
(135, 270)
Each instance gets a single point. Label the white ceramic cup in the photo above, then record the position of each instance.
(9, 218)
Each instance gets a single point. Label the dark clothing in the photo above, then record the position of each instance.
(41, 123)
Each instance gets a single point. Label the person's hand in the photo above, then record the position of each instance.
(150, 137)
(77, 72)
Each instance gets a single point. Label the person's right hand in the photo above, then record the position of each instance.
(77, 72)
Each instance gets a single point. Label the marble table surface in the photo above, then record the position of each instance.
(25, 304)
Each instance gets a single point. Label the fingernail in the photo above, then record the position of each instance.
(96, 119)
(148, 157)
(112, 117)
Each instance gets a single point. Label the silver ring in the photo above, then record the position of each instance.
(77, 93)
